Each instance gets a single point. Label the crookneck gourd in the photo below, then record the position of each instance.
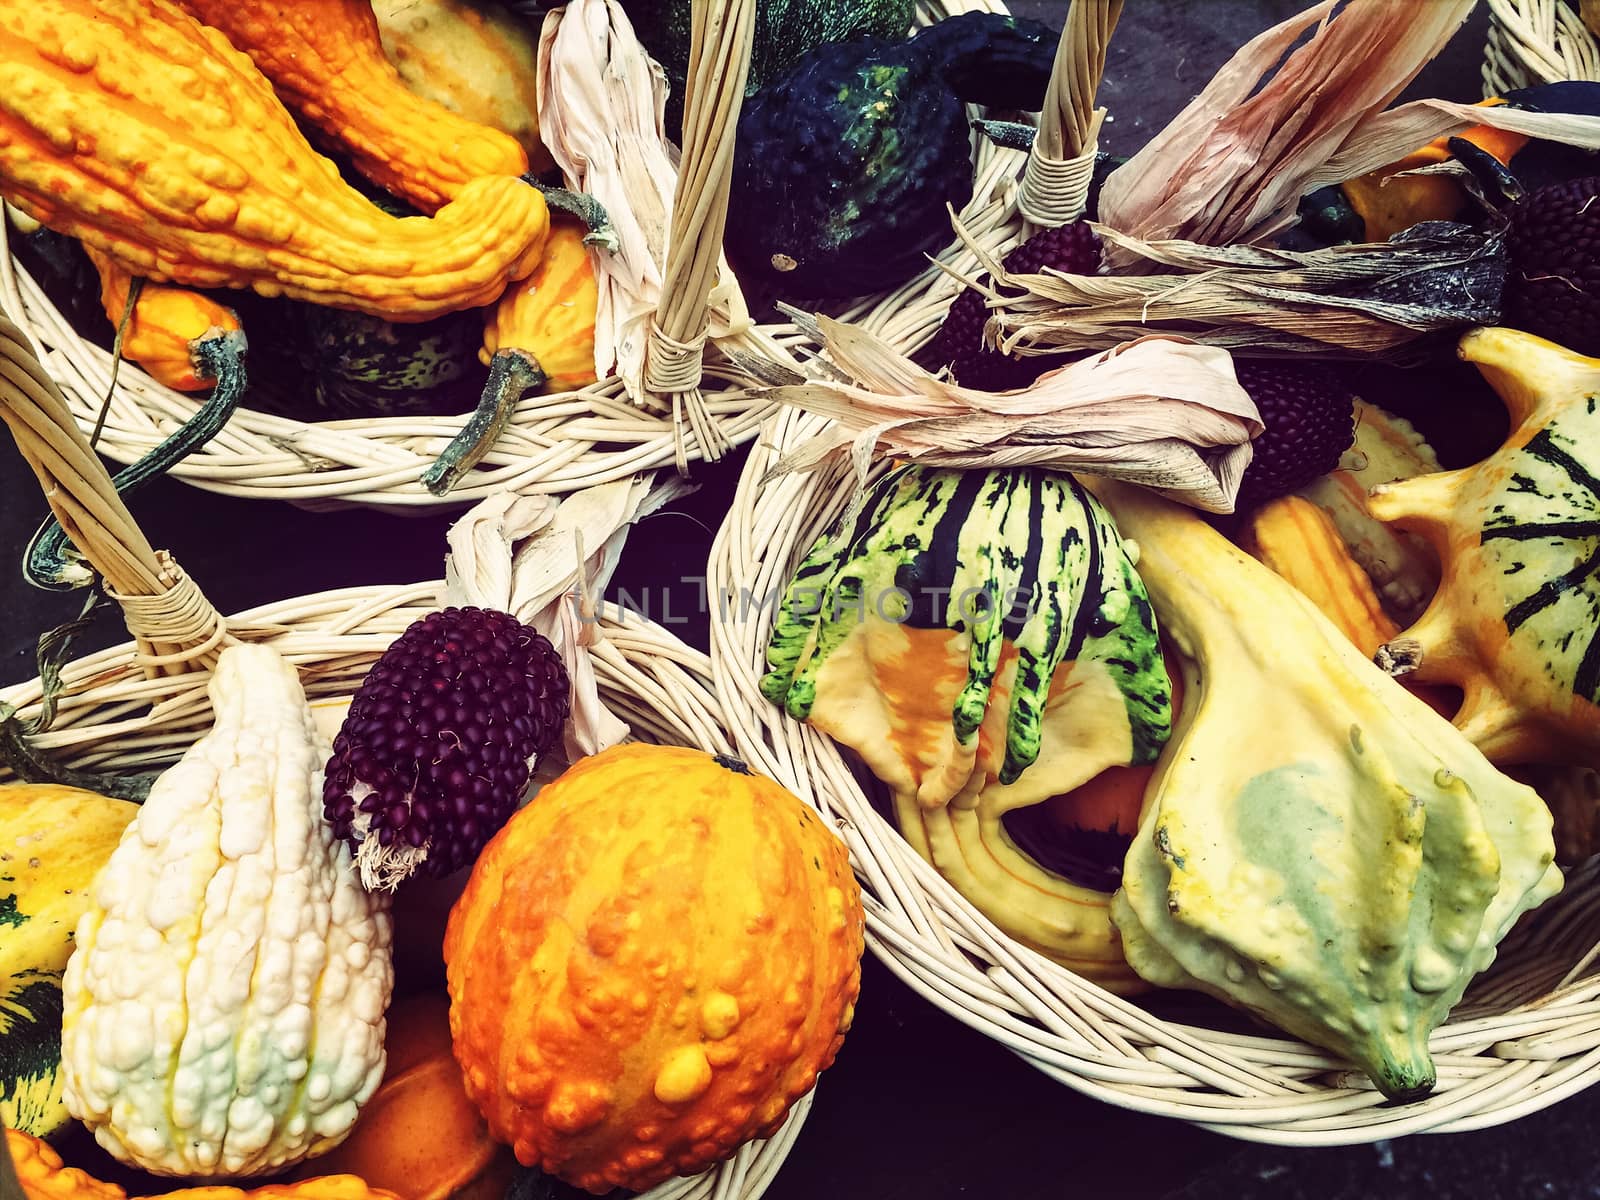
(982, 640)
(1516, 620)
(1318, 846)
(131, 126)
(223, 1013)
(540, 336)
(326, 62)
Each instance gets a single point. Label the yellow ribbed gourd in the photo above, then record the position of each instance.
(1318, 846)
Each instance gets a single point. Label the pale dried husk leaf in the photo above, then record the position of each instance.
(1351, 300)
(543, 561)
(1159, 411)
(601, 113)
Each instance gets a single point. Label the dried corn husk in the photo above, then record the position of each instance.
(601, 104)
(1343, 300)
(544, 561)
(1232, 165)
(1159, 411)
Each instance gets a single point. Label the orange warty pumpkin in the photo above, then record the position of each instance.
(651, 962)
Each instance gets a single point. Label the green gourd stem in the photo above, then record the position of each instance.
(218, 356)
(512, 373)
(586, 208)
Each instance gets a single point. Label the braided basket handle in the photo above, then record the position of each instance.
(721, 38)
(175, 627)
(1055, 183)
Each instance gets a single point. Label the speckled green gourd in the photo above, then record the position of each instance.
(1318, 846)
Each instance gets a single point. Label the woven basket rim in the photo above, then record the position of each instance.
(1523, 1038)
(114, 715)
(553, 444)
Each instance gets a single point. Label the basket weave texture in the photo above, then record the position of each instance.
(1536, 41)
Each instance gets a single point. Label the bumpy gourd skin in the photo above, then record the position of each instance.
(1516, 620)
(166, 323)
(1318, 846)
(128, 125)
(224, 1009)
(325, 59)
(967, 713)
(651, 962)
(44, 1177)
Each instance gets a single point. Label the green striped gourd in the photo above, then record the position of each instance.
(1318, 846)
(1516, 620)
(982, 640)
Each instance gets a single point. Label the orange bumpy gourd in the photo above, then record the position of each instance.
(420, 1136)
(132, 127)
(550, 315)
(650, 963)
(325, 59)
(44, 1177)
(166, 323)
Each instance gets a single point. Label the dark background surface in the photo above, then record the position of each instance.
(917, 1104)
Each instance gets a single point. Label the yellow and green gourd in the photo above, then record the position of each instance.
(1318, 845)
(982, 640)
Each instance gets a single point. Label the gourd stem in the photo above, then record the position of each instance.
(512, 373)
(219, 356)
(586, 208)
(28, 765)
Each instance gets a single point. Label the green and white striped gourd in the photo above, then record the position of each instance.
(983, 641)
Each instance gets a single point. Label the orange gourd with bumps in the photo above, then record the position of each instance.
(650, 964)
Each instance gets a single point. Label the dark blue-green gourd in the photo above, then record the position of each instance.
(845, 164)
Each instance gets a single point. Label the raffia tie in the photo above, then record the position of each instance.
(1055, 191)
(180, 616)
(670, 365)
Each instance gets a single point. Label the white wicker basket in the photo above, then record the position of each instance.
(139, 705)
(554, 443)
(1536, 41)
(1526, 1036)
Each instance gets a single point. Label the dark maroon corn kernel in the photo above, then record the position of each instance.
(1073, 250)
(441, 736)
(1309, 416)
(1553, 285)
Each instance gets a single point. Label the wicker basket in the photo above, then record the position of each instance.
(554, 443)
(139, 705)
(1526, 1035)
(1536, 41)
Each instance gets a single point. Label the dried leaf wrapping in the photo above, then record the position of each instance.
(1343, 300)
(1233, 165)
(601, 103)
(1159, 411)
(519, 554)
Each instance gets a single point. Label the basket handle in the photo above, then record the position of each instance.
(1055, 183)
(175, 626)
(722, 34)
